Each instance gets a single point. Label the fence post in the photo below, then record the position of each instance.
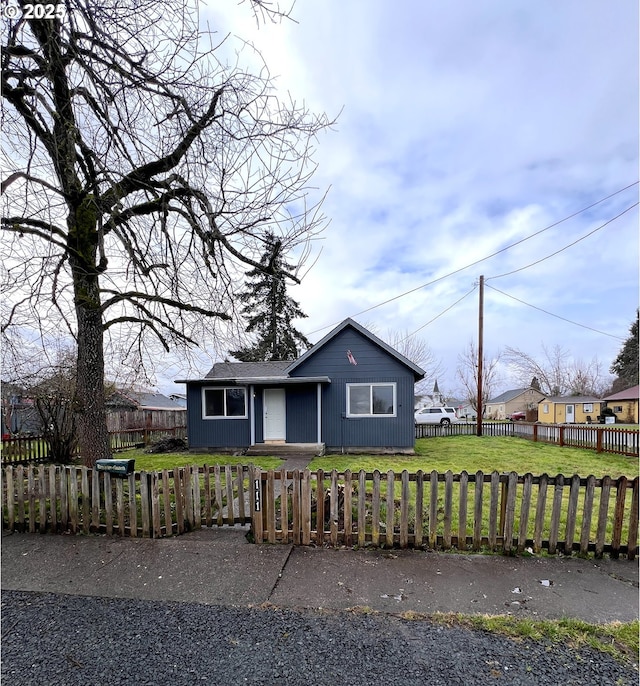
(535, 433)
(561, 437)
(257, 503)
(599, 440)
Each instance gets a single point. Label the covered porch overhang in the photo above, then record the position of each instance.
(274, 382)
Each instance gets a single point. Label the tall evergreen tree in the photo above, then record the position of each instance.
(269, 310)
(626, 365)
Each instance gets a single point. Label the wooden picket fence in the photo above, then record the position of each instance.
(500, 512)
(469, 512)
(602, 439)
(70, 499)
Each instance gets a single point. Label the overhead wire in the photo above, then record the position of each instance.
(487, 257)
(439, 315)
(557, 316)
(557, 252)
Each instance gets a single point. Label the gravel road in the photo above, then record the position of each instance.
(66, 640)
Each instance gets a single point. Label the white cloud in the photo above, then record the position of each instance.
(466, 127)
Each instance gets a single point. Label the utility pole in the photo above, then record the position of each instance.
(480, 356)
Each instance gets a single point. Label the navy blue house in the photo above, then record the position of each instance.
(350, 391)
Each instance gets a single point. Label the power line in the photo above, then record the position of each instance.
(557, 252)
(473, 264)
(557, 316)
(439, 315)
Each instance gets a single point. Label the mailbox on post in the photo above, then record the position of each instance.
(116, 467)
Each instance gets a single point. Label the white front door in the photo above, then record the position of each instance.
(275, 415)
(569, 414)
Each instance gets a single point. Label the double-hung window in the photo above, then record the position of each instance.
(221, 403)
(371, 400)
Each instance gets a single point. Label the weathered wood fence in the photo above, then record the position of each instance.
(498, 512)
(69, 499)
(25, 449)
(598, 438)
(123, 420)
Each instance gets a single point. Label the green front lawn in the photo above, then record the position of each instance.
(159, 461)
(504, 454)
(455, 453)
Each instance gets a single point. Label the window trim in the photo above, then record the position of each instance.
(371, 384)
(225, 389)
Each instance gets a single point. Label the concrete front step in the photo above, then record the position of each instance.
(278, 449)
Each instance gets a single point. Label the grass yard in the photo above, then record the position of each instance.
(487, 453)
(159, 461)
(456, 453)
(502, 454)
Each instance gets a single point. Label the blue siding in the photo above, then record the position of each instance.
(373, 365)
(302, 414)
(331, 360)
(213, 433)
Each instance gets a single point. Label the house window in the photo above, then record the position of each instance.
(545, 408)
(371, 400)
(230, 403)
(617, 408)
(587, 407)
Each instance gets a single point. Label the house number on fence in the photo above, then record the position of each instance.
(257, 494)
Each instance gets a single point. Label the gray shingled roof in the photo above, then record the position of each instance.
(144, 399)
(248, 370)
(507, 396)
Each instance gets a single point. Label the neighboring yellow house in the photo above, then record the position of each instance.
(625, 405)
(569, 410)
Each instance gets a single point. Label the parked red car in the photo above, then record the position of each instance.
(518, 416)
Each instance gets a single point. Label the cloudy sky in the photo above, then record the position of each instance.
(465, 127)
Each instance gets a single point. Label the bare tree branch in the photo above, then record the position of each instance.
(164, 166)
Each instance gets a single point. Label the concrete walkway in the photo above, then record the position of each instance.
(219, 566)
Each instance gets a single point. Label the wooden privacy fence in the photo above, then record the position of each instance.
(64, 499)
(123, 420)
(598, 438)
(501, 512)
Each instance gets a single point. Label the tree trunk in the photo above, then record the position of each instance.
(93, 437)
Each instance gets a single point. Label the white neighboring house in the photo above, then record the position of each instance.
(436, 399)
(464, 409)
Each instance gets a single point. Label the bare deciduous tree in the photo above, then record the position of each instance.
(418, 351)
(558, 373)
(142, 174)
(467, 374)
(54, 400)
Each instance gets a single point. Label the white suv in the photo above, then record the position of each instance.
(436, 415)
